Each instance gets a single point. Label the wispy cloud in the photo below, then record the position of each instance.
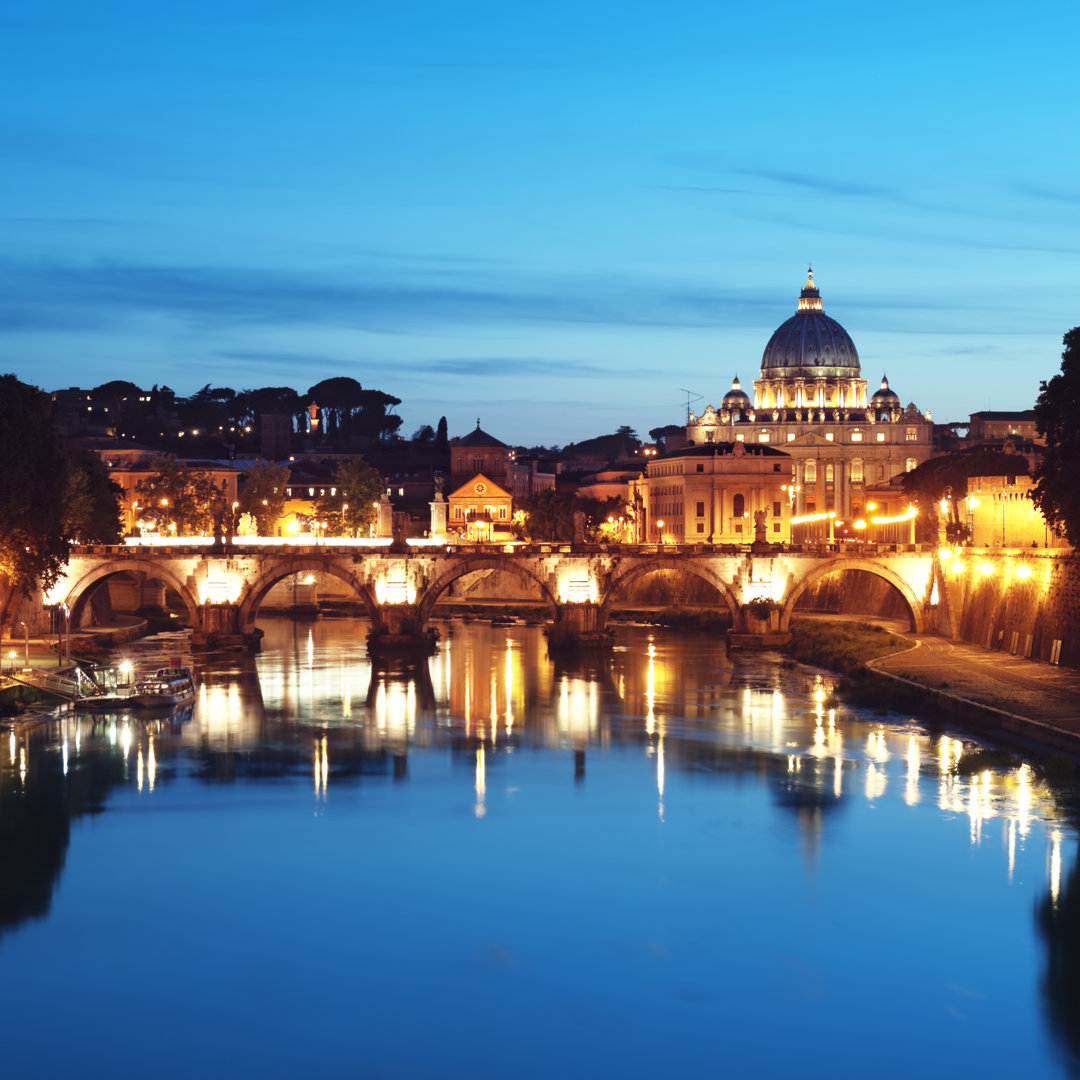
(211, 296)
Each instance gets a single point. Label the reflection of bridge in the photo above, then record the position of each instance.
(222, 588)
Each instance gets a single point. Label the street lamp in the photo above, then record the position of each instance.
(165, 504)
(660, 531)
(344, 511)
(26, 633)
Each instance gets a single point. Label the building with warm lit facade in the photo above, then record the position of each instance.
(1000, 513)
(712, 494)
(811, 401)
(481, 511)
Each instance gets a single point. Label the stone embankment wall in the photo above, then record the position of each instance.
(853, 592)
(1022, 601)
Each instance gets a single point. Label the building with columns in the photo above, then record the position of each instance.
(811, 402)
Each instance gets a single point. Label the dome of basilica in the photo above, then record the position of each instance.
(736, 397)
(885, 398)
(810, 344)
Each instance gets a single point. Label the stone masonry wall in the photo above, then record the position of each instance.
(1022, 601)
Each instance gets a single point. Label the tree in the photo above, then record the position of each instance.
(262, 494)
(92, 501)
(351, 510)
(34, 531)
(177, 498)
(549, 515)
(425, 434)
(1057, 417)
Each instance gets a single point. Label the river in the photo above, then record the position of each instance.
(670, 862)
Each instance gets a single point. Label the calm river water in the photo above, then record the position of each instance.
(675, 863)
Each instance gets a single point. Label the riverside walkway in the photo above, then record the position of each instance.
(992, 689)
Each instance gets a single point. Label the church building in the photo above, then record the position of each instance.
(811, 402)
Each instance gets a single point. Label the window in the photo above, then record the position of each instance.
(700, 468)
(856, 471)
(776, 526)
(738, 506)
(810, 472)
(911, 435)
(828, 436)
(701, 527)
(763, 436)
(739, 437)
(881, 436)
(709, 437)
(776, 468)
(776, 509)
(909, 464)
(791, 436)
(700, 509)
(856, 436)
(829, 474)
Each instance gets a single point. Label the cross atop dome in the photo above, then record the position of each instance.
(810, 297)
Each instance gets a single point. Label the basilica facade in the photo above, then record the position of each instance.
(811, 402)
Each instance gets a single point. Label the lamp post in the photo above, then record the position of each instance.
(165, 504)
(26, 635)
(344, 511)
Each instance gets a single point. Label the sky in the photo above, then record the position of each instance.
(559, 218)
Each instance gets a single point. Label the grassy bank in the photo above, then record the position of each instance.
(844, 647)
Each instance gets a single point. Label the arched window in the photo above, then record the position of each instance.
(738, 506)
(857, 471)
(829, 474)
(810, 472)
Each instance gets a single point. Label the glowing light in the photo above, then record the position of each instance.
(907, 515)
(986, 569)
(1023, 572)
(958, 567)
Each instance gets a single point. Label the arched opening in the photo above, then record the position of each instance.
(306, 588)
(849, 592)
(486, 583)
(670, 592)
(129, 594)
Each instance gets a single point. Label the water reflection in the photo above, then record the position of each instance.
(667, 734)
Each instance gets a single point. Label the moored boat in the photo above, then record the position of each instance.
(166, 687)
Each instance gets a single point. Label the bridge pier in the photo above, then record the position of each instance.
(758, 626)
(400, 631)
(218, 630)
(578, 626)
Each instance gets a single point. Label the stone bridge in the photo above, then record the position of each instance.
(222, 587)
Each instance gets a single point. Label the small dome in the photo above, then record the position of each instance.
(884, 398)
(810, 344)
(736, 397)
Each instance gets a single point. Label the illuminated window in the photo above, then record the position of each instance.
(909, 464)
(856, 436)
(763, 436)
(829, 436)
(810, 472)
(857, 471)
(881, 436)
(739, 437)
(829, 474)
(791, 436)
(911, 435)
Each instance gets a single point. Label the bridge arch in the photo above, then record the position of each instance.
(914, 604)
(78, 593)
(278, 569)
(617, 583)
(467, 565)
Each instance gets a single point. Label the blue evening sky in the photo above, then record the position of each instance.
(552, 216)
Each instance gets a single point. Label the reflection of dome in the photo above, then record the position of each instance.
(885, 398)
(810, 344)
(736, 397)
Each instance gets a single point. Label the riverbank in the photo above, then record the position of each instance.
(991, 693)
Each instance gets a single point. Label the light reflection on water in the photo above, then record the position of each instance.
(651, 801)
